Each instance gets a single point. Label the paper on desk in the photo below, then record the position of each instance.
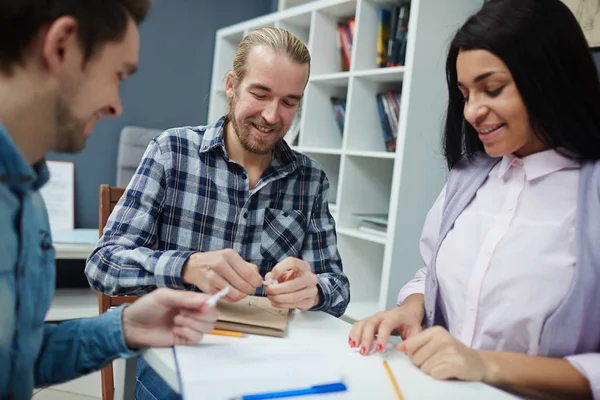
(75, 236)
(225, 370)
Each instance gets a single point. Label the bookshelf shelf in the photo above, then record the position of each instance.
(371, 154)
(355, 233)
(364, 177)
(390, 74)
(318, 150)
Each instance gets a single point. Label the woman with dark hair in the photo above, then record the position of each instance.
(508, 294)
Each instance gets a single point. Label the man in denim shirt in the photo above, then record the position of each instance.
(61, 62)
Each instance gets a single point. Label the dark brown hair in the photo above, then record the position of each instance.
(100, 21)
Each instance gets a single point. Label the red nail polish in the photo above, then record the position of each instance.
(353, 343)
(378, 348)
(350, 341)
(363, 351)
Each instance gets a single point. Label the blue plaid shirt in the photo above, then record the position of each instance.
(188, 196)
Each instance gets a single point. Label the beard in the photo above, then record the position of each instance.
(69, 129)
(250, 142)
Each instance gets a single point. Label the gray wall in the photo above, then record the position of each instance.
(170, 89)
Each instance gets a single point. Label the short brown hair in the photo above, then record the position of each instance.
(100, 21)
(280, 40)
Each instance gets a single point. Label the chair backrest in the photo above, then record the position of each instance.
(109, 197)
(133, 142)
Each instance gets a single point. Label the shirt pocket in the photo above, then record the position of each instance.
(282, 235)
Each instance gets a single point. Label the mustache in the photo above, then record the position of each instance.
(262, 122)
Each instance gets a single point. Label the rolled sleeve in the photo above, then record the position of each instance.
(127, 260)
(589, 366)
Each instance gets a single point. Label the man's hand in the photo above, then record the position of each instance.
(382, 324)
(167, 317)
(297, 287)
(443, 357)
(211, 271)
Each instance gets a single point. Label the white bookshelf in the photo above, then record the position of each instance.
(364, 177)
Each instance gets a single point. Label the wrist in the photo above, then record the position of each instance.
(491, 367)
(127, 329)
(415, 305)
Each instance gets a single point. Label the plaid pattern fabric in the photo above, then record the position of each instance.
(189, 196)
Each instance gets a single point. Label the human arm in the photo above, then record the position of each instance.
(406, 319)
(127, 260)
(443, 357)
(323, 275)
(160, 319)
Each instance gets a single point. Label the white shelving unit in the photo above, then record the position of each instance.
(364, 177)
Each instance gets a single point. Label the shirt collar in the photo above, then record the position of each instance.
(213, 138)
(536, 165)
(14, 169)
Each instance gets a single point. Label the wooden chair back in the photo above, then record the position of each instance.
(109, 197)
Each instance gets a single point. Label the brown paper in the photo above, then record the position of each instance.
(254, 315)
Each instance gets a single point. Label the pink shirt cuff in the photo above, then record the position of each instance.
(416, 286)
(589, 366)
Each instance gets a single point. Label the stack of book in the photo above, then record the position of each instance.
(372, 223)
(392, 31)
(388, 105)
(339, 108)
(345, 38)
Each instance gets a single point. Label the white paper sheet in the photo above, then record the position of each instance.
(226, 370)
(58, 195)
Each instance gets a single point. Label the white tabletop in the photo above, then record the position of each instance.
(363, 375)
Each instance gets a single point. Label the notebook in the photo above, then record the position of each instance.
(254, 315)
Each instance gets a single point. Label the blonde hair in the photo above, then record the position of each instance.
(280, 40)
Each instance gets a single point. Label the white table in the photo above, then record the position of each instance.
(73, 251)
(364, 375)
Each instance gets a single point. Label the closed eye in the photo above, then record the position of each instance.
(494, 93)
(259, 96)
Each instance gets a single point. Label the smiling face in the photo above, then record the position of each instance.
(87, 92)
(264, 103)
(493, 105)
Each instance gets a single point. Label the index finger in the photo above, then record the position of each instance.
(245, 270)
(290, 286)
(383, 334)
(414, 343)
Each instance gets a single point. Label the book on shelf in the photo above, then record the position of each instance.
(388, 106)
(376, 218)
(383, 36)
(344, 42)
(373, 228)
(396, 45)
(339, 108)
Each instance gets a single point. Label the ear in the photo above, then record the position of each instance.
(61, 43)
(230, 84)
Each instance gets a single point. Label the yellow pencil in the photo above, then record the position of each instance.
(220, 332)
(393, 380)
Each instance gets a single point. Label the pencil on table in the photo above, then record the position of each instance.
(393, 380)
(220, 332)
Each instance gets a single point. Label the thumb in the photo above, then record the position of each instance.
(183, 299)
(401, 347)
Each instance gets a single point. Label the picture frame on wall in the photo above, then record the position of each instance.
(587, 13)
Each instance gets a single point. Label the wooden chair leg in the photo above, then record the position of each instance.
(108, 384)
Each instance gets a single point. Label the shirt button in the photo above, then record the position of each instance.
(244, 176)
(245, 215)
(285, 215)
(16, 335)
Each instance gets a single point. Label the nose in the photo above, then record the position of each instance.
(475, 111)
(270, 112)
(115, 108)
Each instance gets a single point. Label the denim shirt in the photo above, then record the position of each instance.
(33, 353)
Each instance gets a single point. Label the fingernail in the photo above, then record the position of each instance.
(378, 348)
(350, 341)
(363, 350)
(353, 343)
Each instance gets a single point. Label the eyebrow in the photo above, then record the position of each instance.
(479, 78)
(266, 89)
